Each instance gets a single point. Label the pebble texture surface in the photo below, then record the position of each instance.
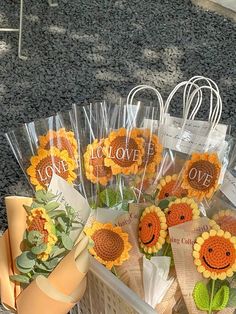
(90, 50)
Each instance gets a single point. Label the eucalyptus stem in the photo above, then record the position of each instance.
(212, 295)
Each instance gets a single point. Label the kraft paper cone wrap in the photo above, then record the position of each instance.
(68, 274)
(41, 297)
(7, 287)
(16, 218)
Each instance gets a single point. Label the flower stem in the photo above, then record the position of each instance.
(212, 295)
(166, 249)
(114, 271)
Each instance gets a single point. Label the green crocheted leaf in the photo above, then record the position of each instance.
(221, 299)
(201, 296)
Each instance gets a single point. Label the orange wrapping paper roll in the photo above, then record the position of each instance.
(7, 287)
(16, 218)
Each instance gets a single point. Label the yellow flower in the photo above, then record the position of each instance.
(95, 169)
(111, 245)
(181, 210)
(46, 162)
(124, 151)
(225, 220)
(152, 151)
(215, 254)
(168, 186)
(61, 139)
(201, 175)
(38, 220)
(152, 229)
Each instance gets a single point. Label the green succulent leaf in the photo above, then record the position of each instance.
(35, 237)
(201, 296)
(221, 299)
(51, 206)
(67, 241)
(39, 248)
(232, 298)
(20, 278)
(26, 260)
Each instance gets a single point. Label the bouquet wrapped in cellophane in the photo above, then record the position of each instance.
(44, 147)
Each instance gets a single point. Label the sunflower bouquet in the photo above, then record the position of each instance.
(43, 248)
(119, 152)
(45, 147)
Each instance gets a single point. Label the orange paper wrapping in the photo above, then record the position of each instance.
(72, 269)
(7, 288)
(10, 244)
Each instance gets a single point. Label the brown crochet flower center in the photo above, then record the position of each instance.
(149, 152)
(47, 166)
(202, 175)
(108, 245)
(227, 223)
(178, 214)
(97, 161)
(172, 189)
(124, 151)
(37, 224)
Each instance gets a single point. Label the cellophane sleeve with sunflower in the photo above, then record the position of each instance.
(44, 147)
(119, 152)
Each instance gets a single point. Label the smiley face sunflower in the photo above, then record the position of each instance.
(181, 210)
(152, 229)
(215, 254)
(225, 220)
(168, 187)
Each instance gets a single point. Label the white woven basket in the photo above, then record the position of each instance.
(106, 294)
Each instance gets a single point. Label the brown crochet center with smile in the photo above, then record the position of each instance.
(108, 245)
(171, 189)
(202, 175)
(217, 254)
(178, 214)
(149, 229)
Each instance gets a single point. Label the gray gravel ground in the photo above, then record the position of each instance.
(87, 50)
